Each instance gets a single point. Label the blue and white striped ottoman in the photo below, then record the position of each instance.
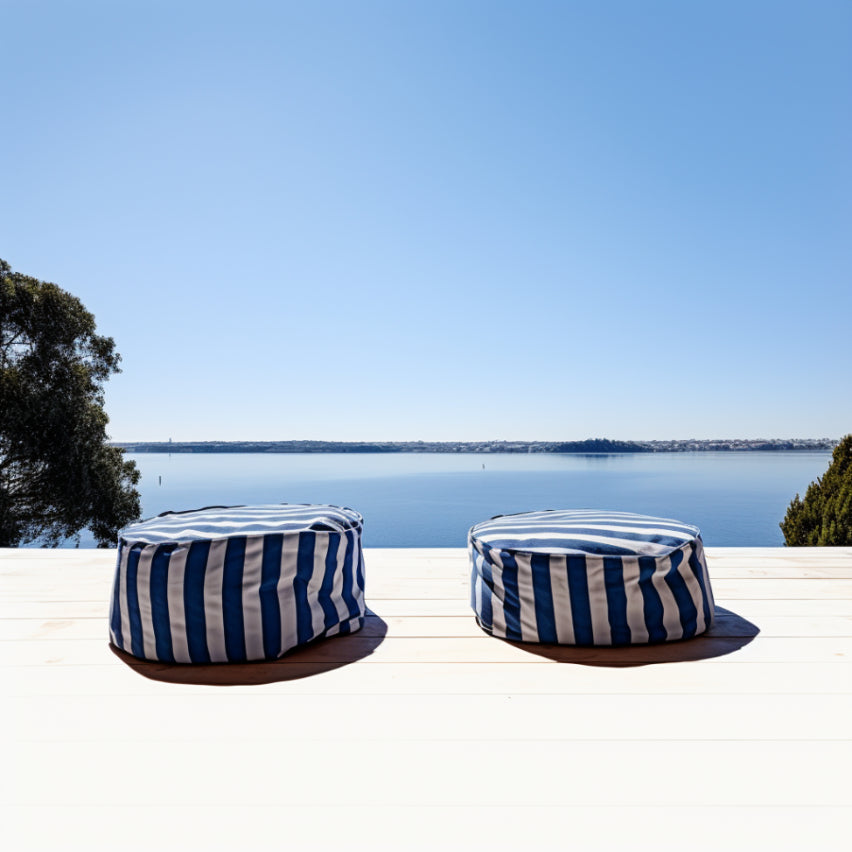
(237, 583)
(584, 577)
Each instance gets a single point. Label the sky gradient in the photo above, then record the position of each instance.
(443, 220)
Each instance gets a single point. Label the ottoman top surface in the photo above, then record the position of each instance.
(216, 522)
(583, 531)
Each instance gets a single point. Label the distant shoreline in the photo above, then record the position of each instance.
(595, 445)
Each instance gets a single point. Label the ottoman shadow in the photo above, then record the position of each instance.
(729, 633)
(322, 655)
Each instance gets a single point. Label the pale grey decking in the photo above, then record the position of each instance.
(422, 732)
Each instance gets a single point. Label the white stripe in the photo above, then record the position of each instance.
(671, 613)
(601, 634)
(498, 616)
(213, 607)
(203, 532)
(626, 524)
(549, 529)
(115, 599)
(333, 630)
(561, 600)
(177, 606)
(691, 581)
(215, 522)
(635, 601)
(483, 591)
(233, 524)
(286, 594)
(146, 612)
(220, 519)
(644, 548)
(476, 581)
(526, 595)
(259, 511)
(123, 600)
(252, 615)
(557, 519)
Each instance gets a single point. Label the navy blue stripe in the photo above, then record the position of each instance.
(349, 576)
(616, 601)
(115, 622)
(685, 604)
(232, 599)
(652, 604)
(325, 599)
(348, 627)
(193, 601)
(270, 610)
(698, 570)
(159, 589)
(581, 608)
(137, 647)
(304, 572)
(544, 616)
(511, 597)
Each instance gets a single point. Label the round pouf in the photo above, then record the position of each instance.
(238, 583)
(585, 577)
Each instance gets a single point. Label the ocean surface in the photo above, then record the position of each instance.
(431, 500)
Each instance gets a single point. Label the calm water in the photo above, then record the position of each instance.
(431, 500)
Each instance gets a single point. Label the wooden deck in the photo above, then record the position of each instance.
(421, 732)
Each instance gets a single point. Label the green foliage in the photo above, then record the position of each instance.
(599, 445)
(57, 474)
(824, 517)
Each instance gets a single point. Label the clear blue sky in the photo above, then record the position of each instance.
(443, 220)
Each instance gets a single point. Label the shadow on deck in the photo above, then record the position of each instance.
(729, 633)
(324, 655)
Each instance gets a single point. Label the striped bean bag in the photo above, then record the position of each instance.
(585, 577)
(237, 583)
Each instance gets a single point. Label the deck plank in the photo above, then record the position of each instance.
(558, 718)
(485, 650)
(440, 728)
(415, 772)
(460, 625)
(378, 826)
(683, 678)
(438, 588)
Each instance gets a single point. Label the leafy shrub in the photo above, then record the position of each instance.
(824, 517)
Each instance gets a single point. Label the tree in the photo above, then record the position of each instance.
(824, 517)
(57, 473)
